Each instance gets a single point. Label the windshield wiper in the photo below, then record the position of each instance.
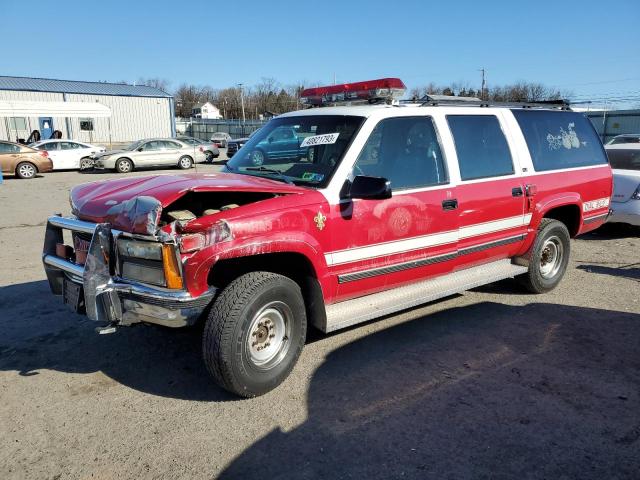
(281, 176)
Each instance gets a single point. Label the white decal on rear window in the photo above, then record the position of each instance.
(566, 140)
(326, 139)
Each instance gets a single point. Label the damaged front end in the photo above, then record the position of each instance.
(121, 277)
(124, 255)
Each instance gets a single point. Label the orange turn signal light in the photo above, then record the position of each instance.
(172, 274)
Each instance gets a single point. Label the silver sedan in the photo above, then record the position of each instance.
(152, 152)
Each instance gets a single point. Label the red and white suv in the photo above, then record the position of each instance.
(388, 207)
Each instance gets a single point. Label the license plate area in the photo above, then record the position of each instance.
(73, 296)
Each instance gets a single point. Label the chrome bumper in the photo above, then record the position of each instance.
(108, 298)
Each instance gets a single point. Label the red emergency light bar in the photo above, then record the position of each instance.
(383, 89)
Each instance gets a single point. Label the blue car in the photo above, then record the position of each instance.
(282, 143)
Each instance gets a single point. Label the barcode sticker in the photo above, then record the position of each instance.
(326, 139)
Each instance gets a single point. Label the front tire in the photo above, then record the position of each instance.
(185, 162)
(26, 170)
(124, 165)
(254, 333)
(548, 258)
(86, 163)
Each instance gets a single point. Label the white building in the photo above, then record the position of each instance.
(136, 111)
(206, 110)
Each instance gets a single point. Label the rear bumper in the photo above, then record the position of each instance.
(106, 297)
(625, 212)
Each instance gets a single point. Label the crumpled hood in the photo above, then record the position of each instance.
(104, 201)
(107, 153)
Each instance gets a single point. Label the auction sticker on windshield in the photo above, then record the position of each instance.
(325, 139)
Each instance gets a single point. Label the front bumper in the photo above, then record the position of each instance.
(625, 212)
(105, 296)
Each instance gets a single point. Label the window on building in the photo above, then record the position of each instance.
(17, 123)
(560, 139)
(481, 146)
(405, 151)
(86, 124)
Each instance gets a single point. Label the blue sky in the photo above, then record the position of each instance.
(587, 47)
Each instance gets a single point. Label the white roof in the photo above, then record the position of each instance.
(53, 109)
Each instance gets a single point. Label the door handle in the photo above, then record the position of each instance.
(450, 204)
(516, 192)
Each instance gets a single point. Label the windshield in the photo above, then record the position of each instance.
(304, 150)
(624, 159)
(134, 145)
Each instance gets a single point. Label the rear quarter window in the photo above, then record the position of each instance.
(558, 140)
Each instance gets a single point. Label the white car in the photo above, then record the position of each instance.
(69, 154)
(221, 139)
(625, 163)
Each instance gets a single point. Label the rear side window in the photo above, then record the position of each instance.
(559, 140)
(481, 146)
(624, 159)
(8, 148)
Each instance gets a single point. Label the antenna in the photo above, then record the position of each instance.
(482, 88)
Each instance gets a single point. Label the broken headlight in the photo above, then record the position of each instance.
(192, 242)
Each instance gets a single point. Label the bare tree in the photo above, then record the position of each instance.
(159, 83)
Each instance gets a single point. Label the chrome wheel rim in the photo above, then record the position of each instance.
(84, 164)
(124, 166)
(269, 333)
(257, 157)
(185, 162)
(551, 257)
(26, 170)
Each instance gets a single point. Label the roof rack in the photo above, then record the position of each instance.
(442, 100)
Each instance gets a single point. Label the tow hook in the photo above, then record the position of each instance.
(107, 329)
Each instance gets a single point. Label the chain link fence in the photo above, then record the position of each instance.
(204, 128)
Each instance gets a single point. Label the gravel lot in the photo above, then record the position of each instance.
(494, 383)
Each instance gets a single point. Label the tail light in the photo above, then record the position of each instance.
(636, 194)
(43, 153)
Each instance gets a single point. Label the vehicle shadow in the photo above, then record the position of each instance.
(14, 178)
(631, 271)
(485, 391)
(39, 332)
(612, 231)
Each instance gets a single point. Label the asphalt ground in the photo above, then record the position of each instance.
(494, 383)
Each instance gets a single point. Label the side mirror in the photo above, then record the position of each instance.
(371, 188)
(270, 139)
(140, 149)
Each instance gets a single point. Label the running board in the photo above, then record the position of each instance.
(357, 310)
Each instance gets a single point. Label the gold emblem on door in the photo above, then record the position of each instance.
(319, 219)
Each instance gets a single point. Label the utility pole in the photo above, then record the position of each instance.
(242, 103)
(482, 97)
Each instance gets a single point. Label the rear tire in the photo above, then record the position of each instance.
(185, 162)
(26, 170)
(254, 333)
(548, 257)
(124, 165)
(257, 157)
